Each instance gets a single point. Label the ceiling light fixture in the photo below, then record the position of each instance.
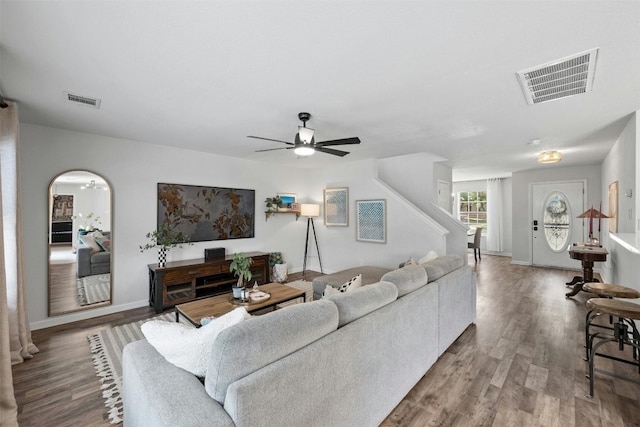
(92, 185)
(304, 151)
(549, 157)
(306, 134)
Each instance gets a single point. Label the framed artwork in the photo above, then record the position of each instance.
(336, 207)
(613, 207)
(371, 221)
(207, 213)
(289, 200)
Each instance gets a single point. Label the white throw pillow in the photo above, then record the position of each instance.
(187, 347)
(90, 241)
(428, 257)
(351, 284)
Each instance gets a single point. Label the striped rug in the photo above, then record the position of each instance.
(93, 289)
(106, 347)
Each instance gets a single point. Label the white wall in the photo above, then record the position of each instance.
(134, 169)
(521, 202)
(622, 266)
(412, 176)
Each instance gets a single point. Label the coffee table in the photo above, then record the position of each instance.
(216, 306)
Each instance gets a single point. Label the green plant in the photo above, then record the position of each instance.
(241, 266)
(165, 238)
(273, 203)
(87, 221)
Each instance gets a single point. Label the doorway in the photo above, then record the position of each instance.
(554, 208)
(444, 195)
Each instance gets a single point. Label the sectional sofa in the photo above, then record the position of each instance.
(343, 361)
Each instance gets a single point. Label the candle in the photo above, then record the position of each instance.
(591, 222)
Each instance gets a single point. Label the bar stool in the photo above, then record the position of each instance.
(626, 312)
(605, 290)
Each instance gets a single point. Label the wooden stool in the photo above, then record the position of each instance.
(605, 290)
(626, 312)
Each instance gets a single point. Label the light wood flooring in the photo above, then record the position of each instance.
(519, 365)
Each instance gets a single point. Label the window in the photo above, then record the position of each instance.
(473, 208)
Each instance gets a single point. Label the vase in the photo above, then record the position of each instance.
(237, 292)
(162, 257)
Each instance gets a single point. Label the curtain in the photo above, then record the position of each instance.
(494, 215)
(15, 336)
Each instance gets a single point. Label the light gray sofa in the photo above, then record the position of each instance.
(343, 361)
(90, 262)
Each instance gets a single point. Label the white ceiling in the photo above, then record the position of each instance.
(404, 76)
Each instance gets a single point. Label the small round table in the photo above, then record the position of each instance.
(587, 255)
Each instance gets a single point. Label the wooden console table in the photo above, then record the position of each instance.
(587, 255)
(183, 281)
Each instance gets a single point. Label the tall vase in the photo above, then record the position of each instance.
(162, 257)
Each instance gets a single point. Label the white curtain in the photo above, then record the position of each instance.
(494, 215)
(15, 336)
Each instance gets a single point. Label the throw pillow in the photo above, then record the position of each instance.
(187, 347)
(410, 261)
(91, 242)
(104, 243)
(428, 257)
(351, 284)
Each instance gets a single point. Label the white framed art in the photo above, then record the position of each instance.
(371, 221)
(336, 207)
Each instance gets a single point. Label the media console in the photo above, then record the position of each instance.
(183, 281)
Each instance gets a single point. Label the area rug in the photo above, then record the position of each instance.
(93, 289)
(106, 347)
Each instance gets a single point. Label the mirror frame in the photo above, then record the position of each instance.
(48, 258)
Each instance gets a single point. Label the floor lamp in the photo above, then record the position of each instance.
(310, 211)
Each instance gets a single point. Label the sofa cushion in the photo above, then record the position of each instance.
(261, 340)
(185, 346)
(350, 285)
(362, 301)
(440, 266)
(407, 279)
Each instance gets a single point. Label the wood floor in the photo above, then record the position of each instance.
(520, 365)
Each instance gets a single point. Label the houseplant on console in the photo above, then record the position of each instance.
(240, 266)
(164, 239)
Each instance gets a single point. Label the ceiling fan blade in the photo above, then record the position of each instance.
(269, 139)
(272, 149)
(344, 141)
(331, 151)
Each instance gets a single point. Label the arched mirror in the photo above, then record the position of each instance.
(79, 240)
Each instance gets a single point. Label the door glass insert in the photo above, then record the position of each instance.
(557, 221)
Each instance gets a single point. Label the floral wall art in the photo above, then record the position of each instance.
(207, 213)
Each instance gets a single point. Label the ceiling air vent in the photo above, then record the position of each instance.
(82, 100)
(564, 77)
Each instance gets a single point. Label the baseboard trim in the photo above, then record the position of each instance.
(85, 314)
(516, 262)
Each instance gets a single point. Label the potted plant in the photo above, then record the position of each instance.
(87, 222)
(273, 203)
(164, 239)
(240, 266)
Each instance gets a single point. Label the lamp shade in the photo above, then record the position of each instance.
(592, 213)
(309, 210)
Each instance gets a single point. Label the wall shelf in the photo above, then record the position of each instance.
(267, 214)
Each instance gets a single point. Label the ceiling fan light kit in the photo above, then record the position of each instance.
(305, 144)
(547, 157)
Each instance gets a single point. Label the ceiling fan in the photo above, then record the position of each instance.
(305, 144)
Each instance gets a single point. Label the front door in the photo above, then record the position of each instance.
(555, 206)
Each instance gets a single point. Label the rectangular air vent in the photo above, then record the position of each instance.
(82, 100)
(564, 77)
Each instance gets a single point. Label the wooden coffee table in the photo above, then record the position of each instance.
(217, 306)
